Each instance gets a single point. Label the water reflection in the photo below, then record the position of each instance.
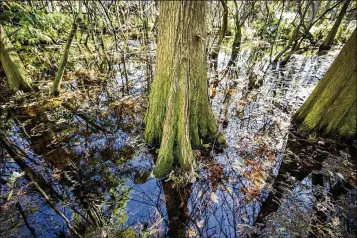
(87, 155)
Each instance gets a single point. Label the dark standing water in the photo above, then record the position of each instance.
(91, 153)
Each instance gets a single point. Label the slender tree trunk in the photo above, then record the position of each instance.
(16, 74)
(294, 37)
(179, 111)
(58, 80)
(276, 33)
(105, 61)
(294, 48)
(216, 49)
(236, 41)
(297, 40)
(326, 45)
(223, 31)
(289, 44)
(331, 108)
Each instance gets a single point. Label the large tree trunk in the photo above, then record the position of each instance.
(331, 108)
(326, 45)
(179, 111)
(16, 74)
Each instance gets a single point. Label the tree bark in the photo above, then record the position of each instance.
(58, 79)
(237, 37)
(331, 108)
(179, 111)
(297, 37)
(236, 45)
(326, 45)
(16, 74)
(223, 31)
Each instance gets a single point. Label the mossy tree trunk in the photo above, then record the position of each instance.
(179, 113)
(297, 36)
(292, 40)
(331, 108)
(239, 19)
(58, 79)
(237, 37)
(326, 45)
(16, 74)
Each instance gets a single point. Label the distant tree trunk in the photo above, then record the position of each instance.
(16, 74)
(297, 37)
(331, 108)
(239, 19)
(237, 37)
(223, 31)
(179, 111)
(290, 43)
(236, 45)
(326, 45)
(58, 80)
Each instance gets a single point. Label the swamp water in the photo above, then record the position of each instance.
(88, 146)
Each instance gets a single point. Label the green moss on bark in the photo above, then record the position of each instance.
(331, 108)
(326, 45)
(59, 75)
(15, 71)
(179, 114)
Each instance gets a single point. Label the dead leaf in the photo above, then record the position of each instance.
(214, 197)
(191, 232)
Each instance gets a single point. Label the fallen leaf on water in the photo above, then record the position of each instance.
(341, 176)
(214, 197)
(271, 157)
(250, 162)
(241, 102)
(253, 192)
(257, 183)
(230, 92)
(200, 223)
(213, 93)
(229, 190)
(199, 194)
(10, 194)
(191, 232)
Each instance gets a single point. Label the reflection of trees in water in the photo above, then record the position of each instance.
(221, 201)
(78, 181)
(176, 199)
(85, 178)
(305, 194)
(213, 205)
